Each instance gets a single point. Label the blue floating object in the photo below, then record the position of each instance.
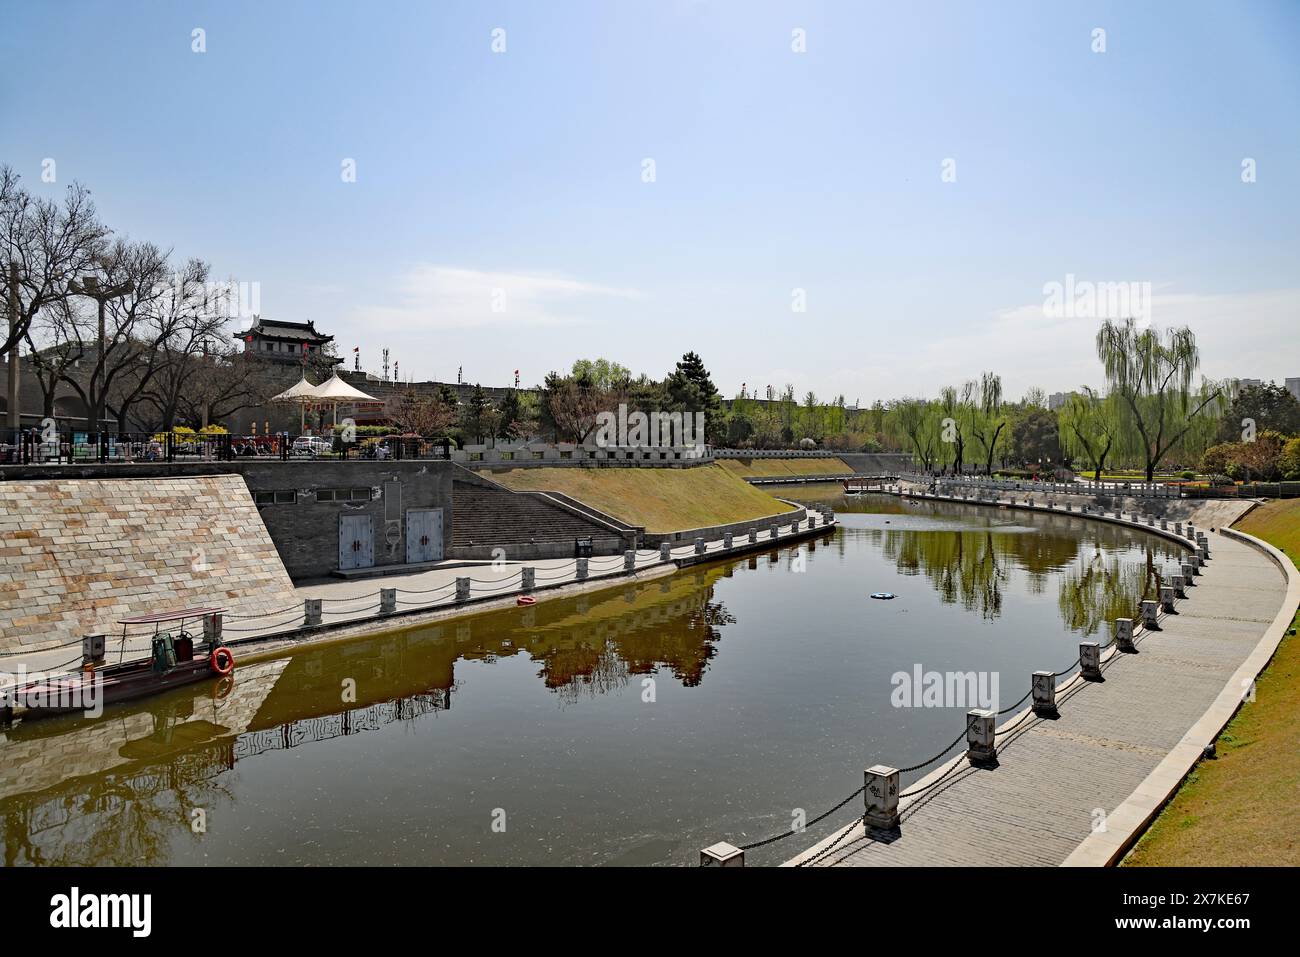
(882, 595)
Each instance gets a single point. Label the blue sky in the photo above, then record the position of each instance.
(519, 175)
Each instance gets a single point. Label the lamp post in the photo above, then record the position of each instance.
(91, 287)
(14, 419)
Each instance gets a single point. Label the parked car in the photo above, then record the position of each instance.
(312, 445)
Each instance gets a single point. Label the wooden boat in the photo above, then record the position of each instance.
(174, 660)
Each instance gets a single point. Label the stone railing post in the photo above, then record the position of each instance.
(773, 532)
(665, 552)
(727, 540)
(93, 647)
(387, 601)
(582, 569)
(1167, 598)
(311, 612)
(722, 854)
(212, 630)
(1124, 634)
(880, 797)
(753, 536)
(1151, 615)
(1090, 660)
(1188, 571)
(1176, 583)
(529, 579)
(462, 589)
(980, 746)
(699, 546)
(1044, 687)
(629, 560)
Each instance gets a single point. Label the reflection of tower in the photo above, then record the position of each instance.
(385, 365)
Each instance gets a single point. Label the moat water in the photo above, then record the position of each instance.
(628, 726)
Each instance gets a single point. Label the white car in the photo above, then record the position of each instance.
(312, 445)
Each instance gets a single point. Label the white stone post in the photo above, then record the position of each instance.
(699, 546)
(1151, 615)
(212, 629)
(1178, 529)
(1180, 590)
(727, 541)
(880, 797)
(1167, 598)
(1090, 660)
(93, 647)
(529, 579)
(980, 746)
(1124, 634)
(629, 560)
(1164, 524)
(387, 601)
(722, 854)
(665, 552)
(462, 589)
(311, 612)
(753, 536)
(1044, 687)
(773, 532)
(1188, 571)
(582, 569)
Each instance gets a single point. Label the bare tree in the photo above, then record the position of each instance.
(54, 352)
(51, 244)
(183, 328)
(140, 269)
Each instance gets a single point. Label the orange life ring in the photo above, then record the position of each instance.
(526, 600)
(216, 661)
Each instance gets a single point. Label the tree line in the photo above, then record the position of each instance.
(131, 329)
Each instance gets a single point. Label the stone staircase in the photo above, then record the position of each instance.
(491, 516)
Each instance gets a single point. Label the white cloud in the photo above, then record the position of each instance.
(430, 296)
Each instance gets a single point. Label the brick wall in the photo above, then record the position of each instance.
(75, 556)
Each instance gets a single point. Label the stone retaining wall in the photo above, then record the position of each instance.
(75, 556)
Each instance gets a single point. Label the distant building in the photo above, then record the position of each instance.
(1058, 399)
(1293, 386)
(284, 341)
(1248, 383)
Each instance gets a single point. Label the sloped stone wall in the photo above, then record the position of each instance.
(75, 556)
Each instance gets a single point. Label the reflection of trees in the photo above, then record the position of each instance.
(1106, 586)
(124, 817)
(965, 567)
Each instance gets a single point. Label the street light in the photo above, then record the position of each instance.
(91, 288)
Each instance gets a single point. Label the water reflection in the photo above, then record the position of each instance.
(123, 789)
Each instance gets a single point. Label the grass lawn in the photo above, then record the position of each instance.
(780, 468)
(1241, 809)
(663, 500)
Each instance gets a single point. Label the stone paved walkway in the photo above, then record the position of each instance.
(1056, 777)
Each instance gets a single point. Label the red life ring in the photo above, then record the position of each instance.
(222, 653)
(526, 600)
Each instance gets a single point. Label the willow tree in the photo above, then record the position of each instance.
(1089, 428)
(917, 423)
(990, 420)
(1150, 375)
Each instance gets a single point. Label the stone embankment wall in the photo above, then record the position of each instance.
(77, 555)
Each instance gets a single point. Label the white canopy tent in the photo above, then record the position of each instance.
(334, 390)
(304, 394)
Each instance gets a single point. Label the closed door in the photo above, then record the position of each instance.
(356, 541)
(424, 534)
